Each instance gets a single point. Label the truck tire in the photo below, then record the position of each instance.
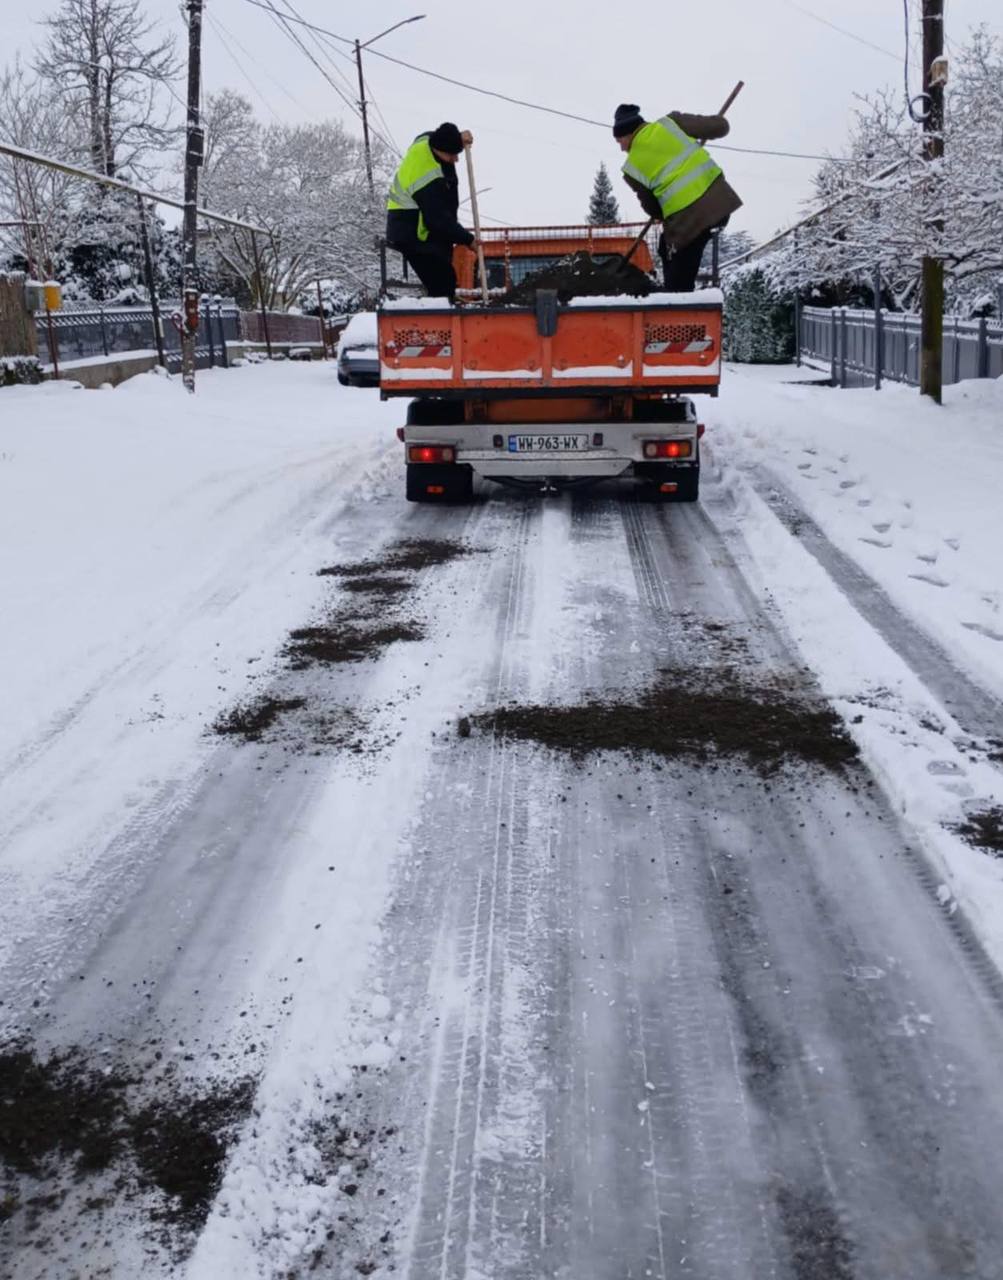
(456, 483)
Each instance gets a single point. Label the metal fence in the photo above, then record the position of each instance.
(863, 348)
(80, 333)
(282, 328)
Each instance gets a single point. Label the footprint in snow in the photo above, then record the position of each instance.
(848, 484)
(863, 502)
(876, 542)
(944, 768)
(882, 526)
(804, 466)
(981, 630)
(953, 543)
(928, 557)
(813, 452)
(931, 578)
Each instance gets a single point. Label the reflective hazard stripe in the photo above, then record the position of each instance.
(681, 183)
(677, 348)
(422, 182)
(418, 353)
(676, 163)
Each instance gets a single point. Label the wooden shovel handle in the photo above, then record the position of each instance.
(477, 224)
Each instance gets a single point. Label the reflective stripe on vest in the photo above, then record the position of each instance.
(670, 164)
(418, 168)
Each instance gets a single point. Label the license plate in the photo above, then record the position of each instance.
(548, 444)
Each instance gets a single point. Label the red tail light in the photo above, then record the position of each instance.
(668, 449)
(431, 453)
(400, 434)
(700, 430)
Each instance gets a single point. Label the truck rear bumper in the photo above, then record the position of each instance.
(543, 465)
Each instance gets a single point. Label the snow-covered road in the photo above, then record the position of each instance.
(508, 1011)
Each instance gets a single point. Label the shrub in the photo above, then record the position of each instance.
(758, 320)
(18, 370)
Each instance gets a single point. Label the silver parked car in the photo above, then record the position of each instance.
(358, 352)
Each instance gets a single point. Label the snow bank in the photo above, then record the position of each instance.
(910, 490)
(153, 548)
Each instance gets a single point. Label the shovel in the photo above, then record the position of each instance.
(477, 224)
(619, 266)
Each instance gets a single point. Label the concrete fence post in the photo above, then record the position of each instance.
(956, 354)
(208, 332)
(224, 357)
(982, 362)
(797, 329)
(834, 345)
(842, 346)
(879, 332)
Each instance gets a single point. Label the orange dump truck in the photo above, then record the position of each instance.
(552, 394)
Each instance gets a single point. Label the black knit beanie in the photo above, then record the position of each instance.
(446, 138)
(626, 119)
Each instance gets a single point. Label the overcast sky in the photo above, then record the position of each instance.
(801, 80)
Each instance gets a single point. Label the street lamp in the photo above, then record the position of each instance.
(362, 92)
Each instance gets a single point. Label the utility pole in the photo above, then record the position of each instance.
(194, 155)
(365, 121)
(934, 79)
(359, 46)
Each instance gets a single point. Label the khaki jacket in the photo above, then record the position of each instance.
(716, 204)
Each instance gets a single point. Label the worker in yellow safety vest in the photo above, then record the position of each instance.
(677, 181)
(422, 208)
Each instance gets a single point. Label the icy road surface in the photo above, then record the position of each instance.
(505, 1012)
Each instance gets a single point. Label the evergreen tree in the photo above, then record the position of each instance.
(758, 320)
(603, 209)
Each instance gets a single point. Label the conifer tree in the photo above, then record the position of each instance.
(603, 209)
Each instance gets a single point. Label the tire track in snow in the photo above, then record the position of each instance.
(976, 710)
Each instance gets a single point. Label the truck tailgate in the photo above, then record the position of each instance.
(664, 342)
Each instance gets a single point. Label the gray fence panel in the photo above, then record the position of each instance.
(844, 339)
(84, 332)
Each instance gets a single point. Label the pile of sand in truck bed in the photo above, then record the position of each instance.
(580, 276)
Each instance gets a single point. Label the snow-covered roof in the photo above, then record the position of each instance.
(360, 331)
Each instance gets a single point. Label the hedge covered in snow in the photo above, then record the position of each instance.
(758, 320)
(19, 370)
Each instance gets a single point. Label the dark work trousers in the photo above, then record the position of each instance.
(682, 265)
(432, 263)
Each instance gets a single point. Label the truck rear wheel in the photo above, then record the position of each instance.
(427, 482)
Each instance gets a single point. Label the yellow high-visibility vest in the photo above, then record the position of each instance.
(671, 164)
(418, 168)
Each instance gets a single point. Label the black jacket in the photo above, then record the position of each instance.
(438, 204)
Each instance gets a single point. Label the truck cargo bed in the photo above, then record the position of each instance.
(615, 345)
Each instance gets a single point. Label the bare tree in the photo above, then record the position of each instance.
(113, 67)
(307, 185)
(878, 208)
(33, 116)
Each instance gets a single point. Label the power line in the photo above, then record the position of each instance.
(239, 65)
(850, 35)
(263, 69)
(324, 44)
(283, 20)
(521, 102)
